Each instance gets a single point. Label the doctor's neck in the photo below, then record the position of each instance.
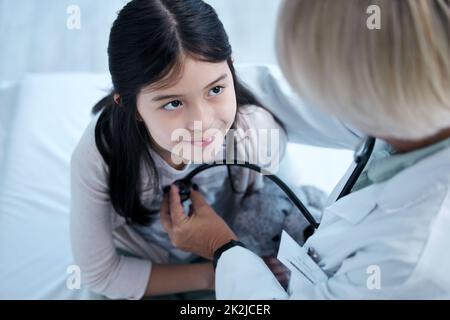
(403, 146)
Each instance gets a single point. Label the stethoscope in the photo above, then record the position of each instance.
(361, 157)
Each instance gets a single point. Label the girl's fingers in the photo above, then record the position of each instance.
(281, 273)
(273, 262)
(282, 277)
(175, 207)
(268, 260)
(279, 269)
(283, 280)
(165, 214)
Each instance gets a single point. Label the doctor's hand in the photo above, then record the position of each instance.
(201, 231)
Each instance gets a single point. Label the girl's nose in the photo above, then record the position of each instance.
(200, 114)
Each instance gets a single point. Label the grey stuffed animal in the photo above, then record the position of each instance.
(264, 213)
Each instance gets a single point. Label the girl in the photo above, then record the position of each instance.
(173, 78)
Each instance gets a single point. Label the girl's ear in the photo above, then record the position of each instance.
(117, 98)
(232, 59)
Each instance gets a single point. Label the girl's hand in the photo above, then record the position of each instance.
(201, 232)
(282, 273)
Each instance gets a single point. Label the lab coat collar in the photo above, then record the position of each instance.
(401, 191)
(417, 182)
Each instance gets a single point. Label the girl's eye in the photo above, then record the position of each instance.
(215, 91)
(173, 105)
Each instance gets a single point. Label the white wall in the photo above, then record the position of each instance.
(34, 36)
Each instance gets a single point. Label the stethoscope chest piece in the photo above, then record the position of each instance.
(184, 187)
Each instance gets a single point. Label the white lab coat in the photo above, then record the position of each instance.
(399, 228)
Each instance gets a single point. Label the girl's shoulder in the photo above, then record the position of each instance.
(86, 152)
(255, 117)
(259, 133)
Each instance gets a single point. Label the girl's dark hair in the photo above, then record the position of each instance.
(147, 43)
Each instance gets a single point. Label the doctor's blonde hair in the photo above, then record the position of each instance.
(392, 82)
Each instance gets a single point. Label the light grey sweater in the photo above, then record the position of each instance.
(97, 231)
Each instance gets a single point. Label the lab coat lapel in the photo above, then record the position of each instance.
(355, 207)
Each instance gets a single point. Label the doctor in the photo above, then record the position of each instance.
(392, 84)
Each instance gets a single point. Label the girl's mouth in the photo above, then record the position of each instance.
(203, 143)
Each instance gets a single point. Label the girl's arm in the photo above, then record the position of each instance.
(168, 279)
(103, 270)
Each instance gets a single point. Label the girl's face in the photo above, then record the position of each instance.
(188, 120)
